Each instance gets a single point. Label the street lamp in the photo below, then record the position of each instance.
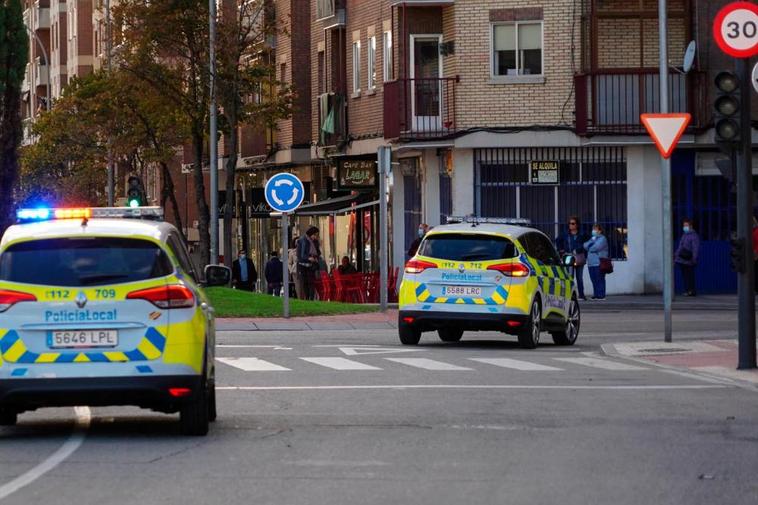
(213, 134)
(47, 65)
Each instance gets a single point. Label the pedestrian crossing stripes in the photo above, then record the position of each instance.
(248, 364)
(253, 365)
(514, 364)
(429, 364)
(340, 364)
(604, 364)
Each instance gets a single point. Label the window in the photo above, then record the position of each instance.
(538, 246)
(371, 63)
(467, 247)
(81, 262)
(180, 251)
(356, 67)
(517, 49)
(388, 62)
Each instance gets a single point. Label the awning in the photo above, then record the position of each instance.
(339, 205)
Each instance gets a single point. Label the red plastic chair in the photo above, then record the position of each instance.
(324, 287)
(352, 288)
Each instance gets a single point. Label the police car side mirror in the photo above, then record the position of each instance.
(217, 275)
(569, 261)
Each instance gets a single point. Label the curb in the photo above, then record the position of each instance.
(610, 350)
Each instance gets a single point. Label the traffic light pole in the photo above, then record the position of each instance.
(746, 284)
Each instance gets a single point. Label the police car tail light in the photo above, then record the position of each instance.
(418, 266)
(166, 297)
(511, 269)
(9, 298)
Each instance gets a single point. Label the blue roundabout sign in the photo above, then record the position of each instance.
(285, 193)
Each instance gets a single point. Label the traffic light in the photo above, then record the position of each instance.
(727, 105)
(135, 193)
(738, 254)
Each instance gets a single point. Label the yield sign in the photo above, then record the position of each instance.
(666, 130)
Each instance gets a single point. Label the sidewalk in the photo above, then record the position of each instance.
(715, 359)
(655, 302)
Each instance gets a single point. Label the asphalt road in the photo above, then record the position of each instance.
(347, 417)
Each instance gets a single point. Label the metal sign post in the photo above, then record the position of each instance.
(668, 229)
(285, 266)
(285, 194)
(384, 165)
(746, 280)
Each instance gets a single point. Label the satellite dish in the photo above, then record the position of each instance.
(689, 56)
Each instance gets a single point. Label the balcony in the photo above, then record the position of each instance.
(420, 109)
(41, 17)
(255, 144)
(610, 101)
(41, 73)
(331, 12)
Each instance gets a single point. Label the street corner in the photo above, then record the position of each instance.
(714, 359)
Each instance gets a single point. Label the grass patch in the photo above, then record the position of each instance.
(235, 303)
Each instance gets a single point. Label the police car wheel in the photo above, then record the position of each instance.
(529, 337)
(8, 418)
(194, 416)
(409, 335)
(450, 334)
(569, 335)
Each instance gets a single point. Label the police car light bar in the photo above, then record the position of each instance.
(488, 220)
(49, 214)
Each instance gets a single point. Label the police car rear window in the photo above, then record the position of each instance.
(81, 262)
(458, 247)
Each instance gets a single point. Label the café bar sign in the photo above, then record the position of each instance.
(545, 172)
(356, 174)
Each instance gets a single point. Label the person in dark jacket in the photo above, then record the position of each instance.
(274, 274)
(686, 256)
(308, 254)
(346, 267)
(244, 275)
(423, 229)
(572, 242)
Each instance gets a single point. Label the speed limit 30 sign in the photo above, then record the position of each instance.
(736, 29)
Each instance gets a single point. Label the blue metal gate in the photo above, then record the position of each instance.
(710, 203)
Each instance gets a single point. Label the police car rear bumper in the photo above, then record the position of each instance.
(431, 321)
(147, 392)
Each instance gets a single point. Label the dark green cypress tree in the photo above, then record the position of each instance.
(14, 54)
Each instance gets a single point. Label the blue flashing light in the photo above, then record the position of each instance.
(40, 214)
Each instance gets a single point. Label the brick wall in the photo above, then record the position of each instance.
(482, 104)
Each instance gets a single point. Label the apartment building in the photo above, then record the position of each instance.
(471, 94)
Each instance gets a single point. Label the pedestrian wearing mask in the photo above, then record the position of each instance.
(244, 275)
(572, 242)
(308, 254)
(686, 256)
(423, 229)
(597, 251)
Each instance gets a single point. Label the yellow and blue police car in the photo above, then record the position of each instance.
(103, 306)
(489, 275)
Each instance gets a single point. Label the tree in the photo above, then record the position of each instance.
(14, 51)
(247, 87)
(165, 45)
(99, 111)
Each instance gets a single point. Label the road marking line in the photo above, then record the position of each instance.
(601, 363)
(83, 420)
(253, 365)
(359, 351)
(234, 346)
(515, 364)
(340, 364)
(470, 386)
(429, 364)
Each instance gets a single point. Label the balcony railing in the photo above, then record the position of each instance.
(420, 109)
(610, 102)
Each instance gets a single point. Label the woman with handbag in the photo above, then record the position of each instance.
(598, 261)
(572, 242)
(686, 256)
